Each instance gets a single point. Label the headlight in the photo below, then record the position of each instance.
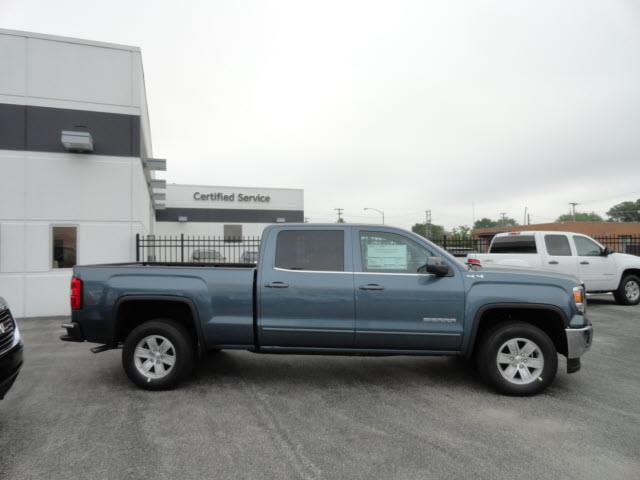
(580, 299)
(16, 334)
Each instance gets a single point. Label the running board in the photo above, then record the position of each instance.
(101, 348)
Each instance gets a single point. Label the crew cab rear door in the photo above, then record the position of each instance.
(305, 289)
(398, 308)
(558, 254)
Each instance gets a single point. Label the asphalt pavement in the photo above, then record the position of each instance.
(75, 415)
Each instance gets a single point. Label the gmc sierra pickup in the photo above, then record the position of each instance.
(327, 289)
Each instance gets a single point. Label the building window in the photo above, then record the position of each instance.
(64, 247)
(233, 233)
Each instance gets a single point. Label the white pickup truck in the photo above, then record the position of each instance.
(570, 253)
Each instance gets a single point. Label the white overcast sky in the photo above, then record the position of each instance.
(397, 105)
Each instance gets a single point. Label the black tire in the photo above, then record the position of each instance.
(623, 294)
(491, 372)
(182, 349)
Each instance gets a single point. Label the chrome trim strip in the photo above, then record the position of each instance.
(354, 273)
(315, 330)
(382, 332)
(309, 271)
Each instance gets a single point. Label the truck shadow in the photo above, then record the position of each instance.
(311, 371)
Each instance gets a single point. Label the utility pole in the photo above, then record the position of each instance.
(339, 210)
(504, 218)
(573, 209)
(427, 223)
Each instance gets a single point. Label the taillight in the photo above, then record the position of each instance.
(76, 293)
(474, 262)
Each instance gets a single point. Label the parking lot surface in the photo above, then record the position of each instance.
(73, 414)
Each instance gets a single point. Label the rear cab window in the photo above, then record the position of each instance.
(317, 250)
(557, 245)
(514, 244)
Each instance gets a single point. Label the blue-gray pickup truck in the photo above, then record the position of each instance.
(333, 289)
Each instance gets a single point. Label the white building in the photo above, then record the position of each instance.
(59, 207)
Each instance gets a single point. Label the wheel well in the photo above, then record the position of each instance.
(549, 321)
(630, 271)
(132, 313)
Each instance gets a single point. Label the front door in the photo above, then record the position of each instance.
(598, 272)
(306, 292)
(398, 308)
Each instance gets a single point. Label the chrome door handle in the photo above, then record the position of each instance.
(277, 285)
(584, 263)
(371, 286)
(553, 262)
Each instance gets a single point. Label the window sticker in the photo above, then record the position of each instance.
(387, 257)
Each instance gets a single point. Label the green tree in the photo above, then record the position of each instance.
(461, 232)
(625, 212)
(580, 217)
(487, 222)
(437, 231)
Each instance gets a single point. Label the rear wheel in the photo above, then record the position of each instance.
(158, 354)
(628, 292)
(517, 359)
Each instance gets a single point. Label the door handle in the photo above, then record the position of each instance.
(553, 262)
(371, 286)
(584, 262)
(277, 285)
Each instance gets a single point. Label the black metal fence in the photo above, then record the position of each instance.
(460, 247)
(196, 249)
(219, 250)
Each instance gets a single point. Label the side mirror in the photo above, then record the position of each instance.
(435, 266)
(606, 251)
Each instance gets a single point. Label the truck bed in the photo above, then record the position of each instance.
(221, 296)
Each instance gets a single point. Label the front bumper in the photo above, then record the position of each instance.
(578, 341)
(10, 364)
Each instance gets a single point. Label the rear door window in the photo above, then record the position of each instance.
(321, 250)
(514, 244)
(557, 245)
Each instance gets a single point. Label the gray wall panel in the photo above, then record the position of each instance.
(38, 129)
(230, 215)
(12, 127)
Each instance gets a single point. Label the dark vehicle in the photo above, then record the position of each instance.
(10, 349)
(210, 256)
(333, 289)
(249, 256)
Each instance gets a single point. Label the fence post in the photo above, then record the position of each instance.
(182, 247)
(137, 247)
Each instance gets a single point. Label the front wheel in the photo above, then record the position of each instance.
(158, 354)
(517, 359)
(628, 292)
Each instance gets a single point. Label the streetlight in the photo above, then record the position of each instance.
(379, 211)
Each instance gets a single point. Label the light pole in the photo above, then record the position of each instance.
(376, 210)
